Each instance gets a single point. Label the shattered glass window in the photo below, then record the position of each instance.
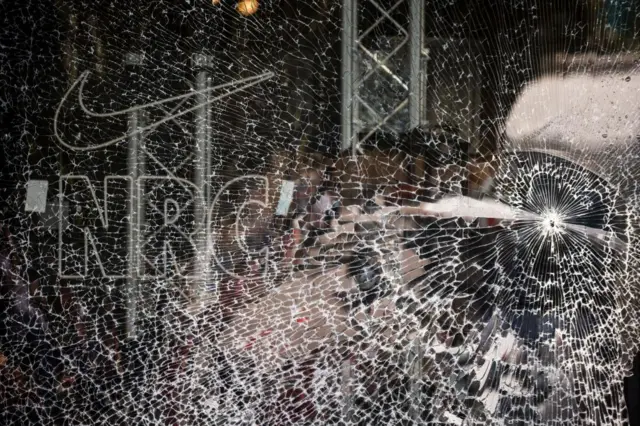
(329, 212)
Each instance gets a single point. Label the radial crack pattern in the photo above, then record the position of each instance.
(285, 213)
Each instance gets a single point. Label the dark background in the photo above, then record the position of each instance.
(45, 45)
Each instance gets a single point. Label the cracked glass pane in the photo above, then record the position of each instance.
(274, 212)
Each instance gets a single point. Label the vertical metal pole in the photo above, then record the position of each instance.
(416, 109)
(416, 359)
(416, 33)
(208, 135)
(140, 205)
(136, 166)
(348, 41)
(135, 220)
(355, 67)
(349, 36)
(202, 172)
(347, 390)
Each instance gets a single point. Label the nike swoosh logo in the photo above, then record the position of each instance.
(243, 84)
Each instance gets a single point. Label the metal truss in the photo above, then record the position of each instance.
(355, 51)
(358, 49)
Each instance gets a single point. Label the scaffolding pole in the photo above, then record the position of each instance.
(349, 30)
(347, 389)
(136, 165)
(416, 78)
(416, 114)
(202, 172)
(349, 37)
(416, 360)
(136, 168)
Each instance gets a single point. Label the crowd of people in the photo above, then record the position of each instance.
(53, 366)
(64, 361)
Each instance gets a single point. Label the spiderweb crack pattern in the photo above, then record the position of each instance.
(208, 254)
